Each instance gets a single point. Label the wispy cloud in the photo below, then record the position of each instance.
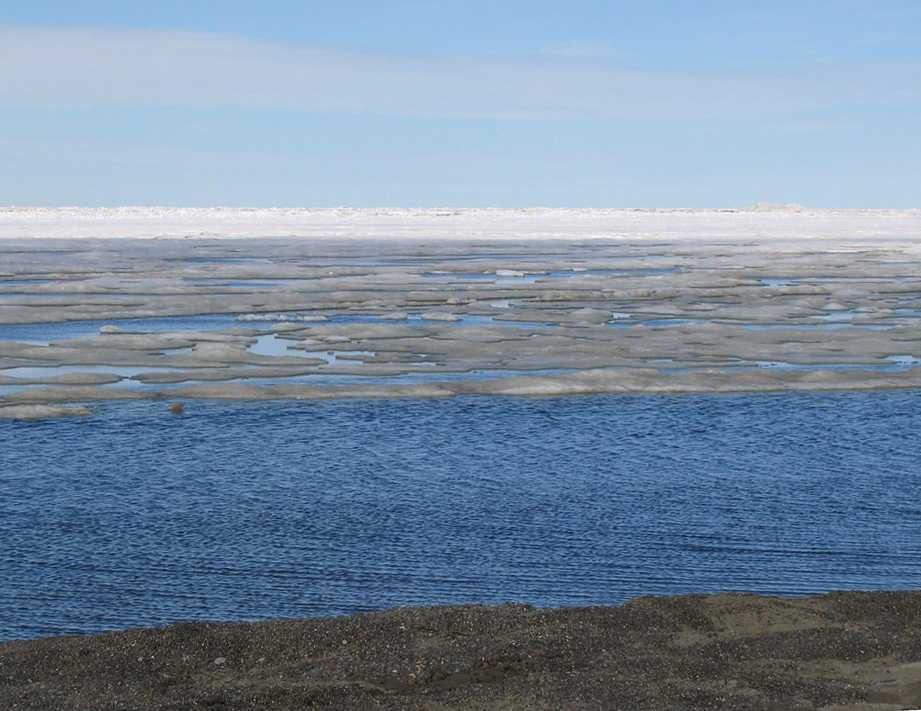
(74, 68)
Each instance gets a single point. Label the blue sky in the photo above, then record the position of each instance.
(708, 103)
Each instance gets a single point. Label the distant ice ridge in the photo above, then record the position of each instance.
(772, 207)
(761, 224)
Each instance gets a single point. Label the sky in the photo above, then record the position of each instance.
(479, 103)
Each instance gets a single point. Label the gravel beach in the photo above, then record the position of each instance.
(842, 651)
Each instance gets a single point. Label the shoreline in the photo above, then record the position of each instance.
(841, 651)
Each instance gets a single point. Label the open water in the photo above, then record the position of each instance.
(234, 511)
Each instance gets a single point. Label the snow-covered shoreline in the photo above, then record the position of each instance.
(764, 224)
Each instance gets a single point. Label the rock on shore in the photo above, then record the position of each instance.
(836, 651)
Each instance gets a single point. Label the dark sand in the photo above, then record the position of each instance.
(836, 651)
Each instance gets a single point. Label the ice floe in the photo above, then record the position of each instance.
(358, 303)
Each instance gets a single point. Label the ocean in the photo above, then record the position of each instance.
(255, 510)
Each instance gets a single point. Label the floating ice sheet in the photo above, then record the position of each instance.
(538, 296)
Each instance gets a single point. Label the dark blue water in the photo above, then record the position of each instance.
(259, 510)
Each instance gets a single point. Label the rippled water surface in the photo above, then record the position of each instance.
(258, 510)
